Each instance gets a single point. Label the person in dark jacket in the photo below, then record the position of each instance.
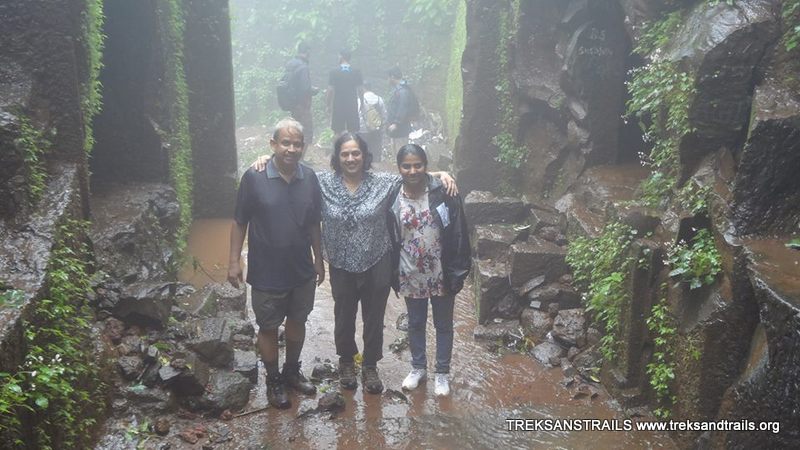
(402, 108)
(431, 260)
(300, 77)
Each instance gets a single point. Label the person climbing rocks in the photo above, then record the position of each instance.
(281, 214)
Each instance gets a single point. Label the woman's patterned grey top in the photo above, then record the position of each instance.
(354, 232)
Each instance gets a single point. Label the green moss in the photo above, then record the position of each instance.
(180, 149)
(54, 397)
(91, 89)
(33, 145)
(511, 154)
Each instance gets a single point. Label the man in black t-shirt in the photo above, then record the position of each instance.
(280, 210)
(344, 95)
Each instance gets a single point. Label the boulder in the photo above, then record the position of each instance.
(563, 295)
(502, 331)
(536, 257)
(548, 352)
(132, 227)
(569, 328)
(148, 400)
(246, 364)
(225, 391)
(492, 241)
(536, 323)
(541, 218)
(130, 367)
(325, 371)
(530, 285)
(147, 303)
(212, 339)
(185, 376)
(491, 286)
(482, 207)
(331, 401)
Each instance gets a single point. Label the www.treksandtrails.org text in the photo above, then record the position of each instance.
(631, 425)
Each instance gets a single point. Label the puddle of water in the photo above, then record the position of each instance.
(207, 246)
(486, 388)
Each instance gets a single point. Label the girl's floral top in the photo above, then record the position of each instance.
(420, 248)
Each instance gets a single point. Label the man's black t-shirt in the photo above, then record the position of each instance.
(280, 216)
(345, 84)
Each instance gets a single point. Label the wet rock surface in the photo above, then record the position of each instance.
(132, 229)
(491, 286)
(569, 328)
(536, 257)
(482, 207)
(722, 44)
(148, 303)
(766, 191)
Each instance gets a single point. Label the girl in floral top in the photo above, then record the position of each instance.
(432, 259)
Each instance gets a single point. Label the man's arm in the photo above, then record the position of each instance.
(316, 247)
(237, 241)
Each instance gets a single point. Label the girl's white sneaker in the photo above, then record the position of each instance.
(442, 385)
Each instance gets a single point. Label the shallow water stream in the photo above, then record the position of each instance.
(486, 388)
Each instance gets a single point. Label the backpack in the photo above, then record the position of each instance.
(373, 118)
(413, 105)
(287, 98)
(286, 90)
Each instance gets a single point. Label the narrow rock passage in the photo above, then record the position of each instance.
(487, 388)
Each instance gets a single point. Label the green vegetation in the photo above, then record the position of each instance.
(716, 2)
(791, 24)
(11, 297)
(91, 89)
(33, 145)
(600, 267)
(180, 148)
(431, 13)
(511, 154)
(57, 391)
(661, 369)
(660, 97)
(694, 198)
(698, 263)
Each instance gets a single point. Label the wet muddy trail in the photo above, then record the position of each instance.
(486, 388)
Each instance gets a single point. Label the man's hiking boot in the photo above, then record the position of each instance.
(294, 378)
(347, 375)
(276, 392)
(372, 382)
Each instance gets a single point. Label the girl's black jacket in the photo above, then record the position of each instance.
(456, 257)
